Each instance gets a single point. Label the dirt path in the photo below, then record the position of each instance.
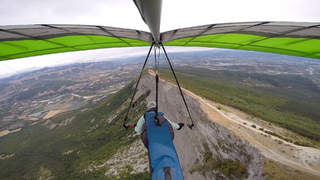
(302, 158)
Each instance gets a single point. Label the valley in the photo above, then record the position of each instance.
(50, 92)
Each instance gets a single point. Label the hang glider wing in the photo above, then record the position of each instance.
(32, 40)
(150, 12)
(296, 39)
(290, 38)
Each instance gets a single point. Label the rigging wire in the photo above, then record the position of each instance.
(185, 103)
(157, 63)
(135, 90)
(9, 67)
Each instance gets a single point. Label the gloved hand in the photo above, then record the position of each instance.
(128, 125)
(180, 126)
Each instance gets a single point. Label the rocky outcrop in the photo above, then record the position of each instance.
(59, 125)
(206, 151)
(45, 93)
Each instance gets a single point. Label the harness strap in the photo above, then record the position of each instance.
(156, 117)
(167, 174)
(157, 83)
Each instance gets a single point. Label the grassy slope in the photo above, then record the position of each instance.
(291, 101)
(274, 170)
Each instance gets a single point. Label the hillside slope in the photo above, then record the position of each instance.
(93, 144)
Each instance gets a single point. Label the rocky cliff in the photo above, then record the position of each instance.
(208, 151)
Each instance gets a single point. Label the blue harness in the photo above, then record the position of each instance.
(163, 156)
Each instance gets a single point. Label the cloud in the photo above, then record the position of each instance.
(11, 67)
(120, 13)
(175, 14)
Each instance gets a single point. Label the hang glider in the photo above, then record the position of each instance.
(296, 39)
(33, 40)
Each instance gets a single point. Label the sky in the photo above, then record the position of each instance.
(124, 14)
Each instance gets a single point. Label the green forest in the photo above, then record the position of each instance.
(38, 151)
(291, 101)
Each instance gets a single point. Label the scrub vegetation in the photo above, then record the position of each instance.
(228, 167)
(291, 101)
(274, 170)
(223, 109)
